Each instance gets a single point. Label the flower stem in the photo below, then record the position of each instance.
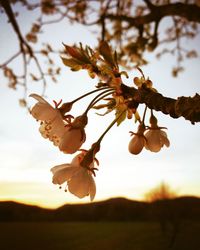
(109, 127)
(90, 155)
(98, 98)
(89, 93)
(144, 114)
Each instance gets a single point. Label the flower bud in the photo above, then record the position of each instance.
(74, 136)
(138, 141)
(65, 108)
(136, 144)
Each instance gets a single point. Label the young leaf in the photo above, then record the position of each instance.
(121, 111)
(106, 52)
(77, 54)
(72, 63)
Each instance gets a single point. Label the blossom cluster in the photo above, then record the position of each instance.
(153, 138)
(68, 133)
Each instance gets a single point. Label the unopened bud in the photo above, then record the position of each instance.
(80, 121)
(66, 107)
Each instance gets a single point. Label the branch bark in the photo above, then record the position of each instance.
(187, 107)
(189, 11)
(10, 14)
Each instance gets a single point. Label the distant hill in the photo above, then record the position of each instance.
(117, 209)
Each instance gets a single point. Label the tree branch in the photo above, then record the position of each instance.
(189, 11)
(10, 14)
(187, 107)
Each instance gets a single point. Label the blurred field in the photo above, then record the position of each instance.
(95, 235)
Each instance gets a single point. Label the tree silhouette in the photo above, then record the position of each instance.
(165, 211)
(132, 27)
(160, 192)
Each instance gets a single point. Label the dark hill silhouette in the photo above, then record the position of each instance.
(116, 209)
(13, 211)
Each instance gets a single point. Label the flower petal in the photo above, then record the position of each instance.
(164, 138)
(53, 130)
(59, 167)
(58, 126)
(153, 140)
(38, 98)
(72, 141)
(43, 111)
(76, 160)
(92, 188)
(79, 185)
(136, 144)
(63, 173)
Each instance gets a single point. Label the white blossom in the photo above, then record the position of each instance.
(79, 179)
(156, 139)
(52, 125)
(72, 140)
(74, 135)
(138, 141)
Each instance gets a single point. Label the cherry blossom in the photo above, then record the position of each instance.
(156, 137)
(74, 135)
(52, 125)
(79, 179)
(138, 141)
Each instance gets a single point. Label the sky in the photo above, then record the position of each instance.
(26, 157)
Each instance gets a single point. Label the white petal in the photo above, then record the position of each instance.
(153, 141)
(53, 130)
(59, 167)
(76, 160)
(58, 126)
(43, 111)
(92, 188)
(79, 184)
(72, 141)
(164, 138)
(38, 98)
(43, 130)
(63, 174)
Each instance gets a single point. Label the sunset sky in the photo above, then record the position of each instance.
(26, 157)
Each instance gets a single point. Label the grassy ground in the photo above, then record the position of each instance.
(95, 236)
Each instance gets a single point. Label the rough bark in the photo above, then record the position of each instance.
(187, 107)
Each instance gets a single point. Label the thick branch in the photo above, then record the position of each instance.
(187, 107)
(189, 11)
